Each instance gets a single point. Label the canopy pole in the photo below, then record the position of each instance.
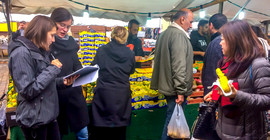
(8, 16)
(241, 10)
(220, 10)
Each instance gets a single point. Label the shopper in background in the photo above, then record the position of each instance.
(21, 28)
(198, 40)
(133, 28)
(34, 77)
(242, 114)
(263, 39)
(111, 107)
(213, 52)
(172, 74)
(73, 108)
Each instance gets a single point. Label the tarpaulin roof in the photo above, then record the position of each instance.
(125, 10)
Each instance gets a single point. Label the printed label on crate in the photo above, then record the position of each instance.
(149, 104)
(138, 98)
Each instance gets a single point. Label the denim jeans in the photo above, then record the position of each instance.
(170, 108)
(82, 134)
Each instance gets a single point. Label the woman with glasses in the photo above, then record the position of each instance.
(73, 108)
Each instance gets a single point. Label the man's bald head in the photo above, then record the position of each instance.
(184, 18)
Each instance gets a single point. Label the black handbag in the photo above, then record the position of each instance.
(205, 126)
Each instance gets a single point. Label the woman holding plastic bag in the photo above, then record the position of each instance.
(241, 113)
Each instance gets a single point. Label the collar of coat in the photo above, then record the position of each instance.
(180, 28)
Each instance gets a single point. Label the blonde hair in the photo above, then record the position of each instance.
(120, 34)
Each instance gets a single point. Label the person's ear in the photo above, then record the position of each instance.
(210, 25)
(182, 20)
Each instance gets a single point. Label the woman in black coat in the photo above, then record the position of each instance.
(73, 108)
(111, 107)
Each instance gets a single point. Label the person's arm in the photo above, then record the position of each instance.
(178, 50)
(198, 53)
(260, 99)
(23, 72)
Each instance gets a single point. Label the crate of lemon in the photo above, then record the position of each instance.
(88, 91)
(142, 96)
(12, 95)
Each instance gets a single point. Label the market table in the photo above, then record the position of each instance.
(146, 124)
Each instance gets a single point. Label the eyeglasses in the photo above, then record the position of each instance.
(63, 25)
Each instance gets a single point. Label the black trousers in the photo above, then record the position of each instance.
(45, 132)
(109, 133)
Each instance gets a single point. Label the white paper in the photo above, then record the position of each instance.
(88, 74)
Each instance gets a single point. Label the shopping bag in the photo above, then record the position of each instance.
(3, 112)
(204, 126)
(177, 127)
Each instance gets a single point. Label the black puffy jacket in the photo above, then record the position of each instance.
(245, 118)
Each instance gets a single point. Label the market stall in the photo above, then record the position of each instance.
(148, 106)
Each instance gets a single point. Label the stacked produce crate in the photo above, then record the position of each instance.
(197, 95)
(89, 44)
(142, 96)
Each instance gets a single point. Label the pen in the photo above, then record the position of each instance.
(52, 56)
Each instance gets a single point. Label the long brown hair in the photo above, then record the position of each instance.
(243, 46)
(242, 42)
(37, 30)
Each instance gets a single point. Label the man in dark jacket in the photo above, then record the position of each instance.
(133, 28)
(198, 40)
(213, 53)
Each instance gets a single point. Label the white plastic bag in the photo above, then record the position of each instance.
(3, 112)
(177, 127)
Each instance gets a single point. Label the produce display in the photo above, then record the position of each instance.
(142, 96)
(12, 95)
(89, 44)
(197, 82)
(197, 95)
(88, 91)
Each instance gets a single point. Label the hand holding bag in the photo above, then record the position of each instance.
(177, 127)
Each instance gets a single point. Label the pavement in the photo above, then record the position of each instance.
(4, 75)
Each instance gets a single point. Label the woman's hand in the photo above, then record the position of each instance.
(69, 81)
(234, 91)
(57, 63)
(208, 97)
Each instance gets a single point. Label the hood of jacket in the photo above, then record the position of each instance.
(18, 41)
(118, 52)
(68, 44)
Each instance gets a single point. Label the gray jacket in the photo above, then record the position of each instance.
(34, 79)
(173, 63)
(245, 118)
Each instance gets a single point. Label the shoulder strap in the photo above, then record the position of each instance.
(250, 72)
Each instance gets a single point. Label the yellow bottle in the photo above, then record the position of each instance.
(223, 80)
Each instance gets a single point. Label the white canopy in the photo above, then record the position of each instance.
(256, 10)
